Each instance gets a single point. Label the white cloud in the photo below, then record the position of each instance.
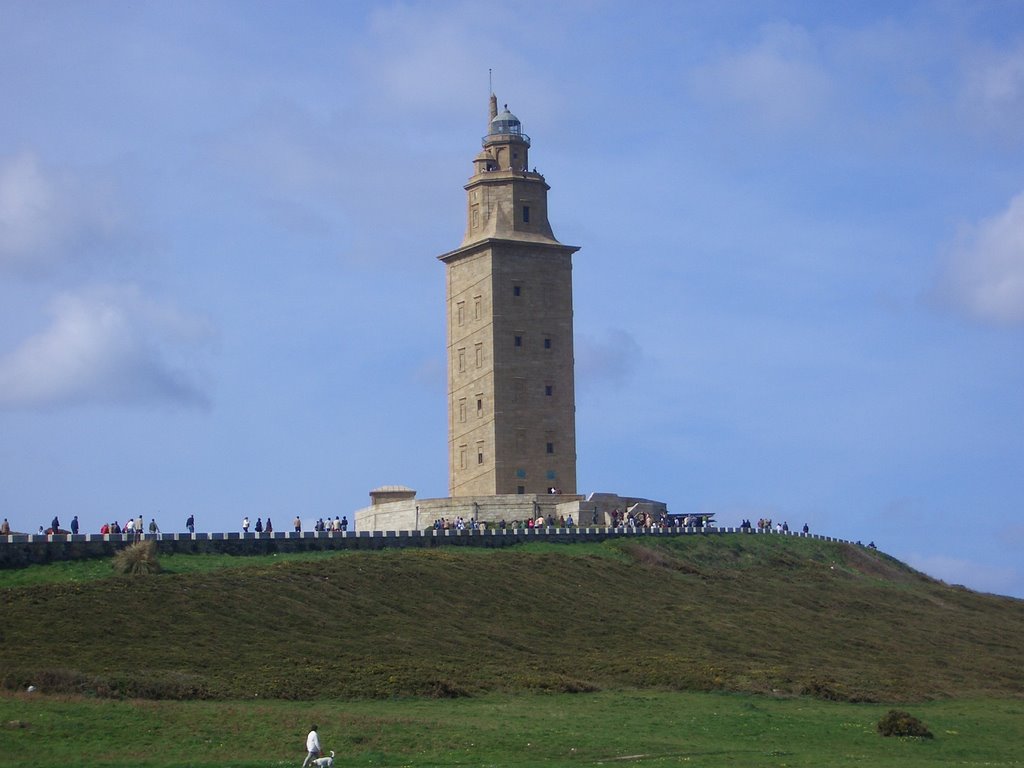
(779, 81)
(985, 270)
(49, 219)
(104, 346)
(992, 96)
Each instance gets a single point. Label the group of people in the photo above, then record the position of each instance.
(337, 525)
(5, 528)
(663, 521)
(55, 526)
(260, 527)
(134, 526)
(618, 519)
(461, 524)
(764, 525)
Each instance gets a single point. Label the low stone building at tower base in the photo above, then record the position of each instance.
(396, 508)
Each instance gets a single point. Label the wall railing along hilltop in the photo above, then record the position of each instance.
(19, 550)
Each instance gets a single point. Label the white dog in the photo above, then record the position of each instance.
(324, 762)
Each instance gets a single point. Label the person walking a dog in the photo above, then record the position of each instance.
(312, 747)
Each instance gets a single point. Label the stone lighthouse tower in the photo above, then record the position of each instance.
(511, 392)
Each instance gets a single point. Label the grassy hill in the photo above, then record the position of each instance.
(767, 614)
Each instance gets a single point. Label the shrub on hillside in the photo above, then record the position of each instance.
(134, 685)
(897, 723)
(137, 559)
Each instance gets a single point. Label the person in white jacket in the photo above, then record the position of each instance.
(312, 747)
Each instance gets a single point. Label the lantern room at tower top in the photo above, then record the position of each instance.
(506, 124)
(503, 124)
(505, 147)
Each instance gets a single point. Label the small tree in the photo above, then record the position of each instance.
(137, 559)
(897, 723)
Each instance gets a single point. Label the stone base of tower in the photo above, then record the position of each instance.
(412, 514)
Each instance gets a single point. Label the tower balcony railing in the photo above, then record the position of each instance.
(508, 135)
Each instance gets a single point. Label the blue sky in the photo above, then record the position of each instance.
(800, 292)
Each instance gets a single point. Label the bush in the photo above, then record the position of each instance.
(897, 723)
(142, 685)
(137, 559)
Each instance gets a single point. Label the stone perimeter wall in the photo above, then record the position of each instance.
(20, 550)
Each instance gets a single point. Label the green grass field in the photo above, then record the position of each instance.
(623, 728)
(705, 651)
(754, 614)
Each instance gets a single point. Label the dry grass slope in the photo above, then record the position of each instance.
(759, 614)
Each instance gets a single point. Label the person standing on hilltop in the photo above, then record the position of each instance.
(312, 747)
(245, 524)
(74, 525)
(259, 525)
(55, 525)
(270, 526)
(298, 524)
(5, 528)
(190, 524)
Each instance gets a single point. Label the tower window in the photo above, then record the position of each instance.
(518, 341)
(462, 360)
(526, 214)
(549, 390)
(462, 409)
(479, 351)
(477, 307)
(547, 342)
(550, 447)
(517, 290)
(479, 457)
(461, 312)
(520, 489)
(479, 407)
